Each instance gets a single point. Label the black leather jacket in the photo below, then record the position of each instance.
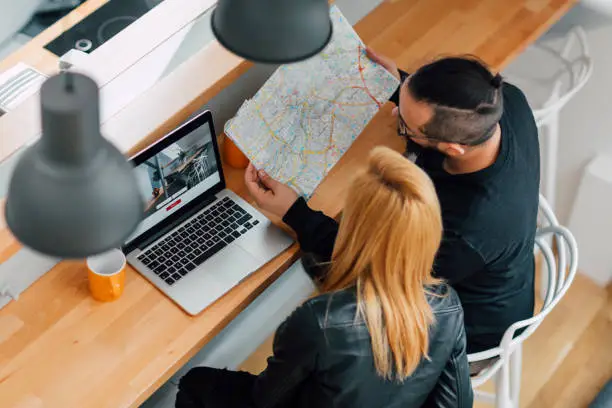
(323, 355)
(323, 358)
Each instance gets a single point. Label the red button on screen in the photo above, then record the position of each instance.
(174, 204)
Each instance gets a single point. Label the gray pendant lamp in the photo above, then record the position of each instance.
(272, 31)
(72, 194)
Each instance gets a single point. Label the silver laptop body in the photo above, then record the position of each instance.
(197, 239)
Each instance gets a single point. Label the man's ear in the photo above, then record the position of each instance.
(452, 149)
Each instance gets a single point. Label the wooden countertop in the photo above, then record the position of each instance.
(60, 348)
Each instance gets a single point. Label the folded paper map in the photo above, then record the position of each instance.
(308, 114)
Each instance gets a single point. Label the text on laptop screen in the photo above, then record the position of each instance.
(175, 176)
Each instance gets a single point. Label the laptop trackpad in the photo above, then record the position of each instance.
(217, 276)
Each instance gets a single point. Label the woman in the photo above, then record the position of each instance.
(383, 332)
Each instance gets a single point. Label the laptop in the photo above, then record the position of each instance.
(197, 239)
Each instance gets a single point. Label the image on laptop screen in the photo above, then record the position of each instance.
(175, 176)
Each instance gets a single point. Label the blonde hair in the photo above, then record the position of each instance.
(389, 235)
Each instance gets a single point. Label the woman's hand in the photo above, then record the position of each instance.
(386, 62)
(269, 194)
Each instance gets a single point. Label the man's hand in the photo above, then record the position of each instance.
(269, 194)
(386, 62)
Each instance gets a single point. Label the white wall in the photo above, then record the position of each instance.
(586, 122)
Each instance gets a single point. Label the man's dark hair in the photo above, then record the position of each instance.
(466, 98)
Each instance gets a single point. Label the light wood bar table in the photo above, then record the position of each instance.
(60, 348)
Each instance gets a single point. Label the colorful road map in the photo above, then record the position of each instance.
(308, 114)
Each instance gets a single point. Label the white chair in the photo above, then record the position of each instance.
(506, 370)
(548, 94)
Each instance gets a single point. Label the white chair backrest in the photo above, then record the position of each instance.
(561, 272)
(577, 70)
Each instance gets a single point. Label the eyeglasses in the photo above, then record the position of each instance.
(404, 131)
(402, 128)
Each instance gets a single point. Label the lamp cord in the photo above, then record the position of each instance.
(68, 76)
(68, 81)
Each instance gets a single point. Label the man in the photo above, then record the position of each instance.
(476, 138)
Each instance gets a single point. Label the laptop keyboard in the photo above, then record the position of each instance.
(197, 240)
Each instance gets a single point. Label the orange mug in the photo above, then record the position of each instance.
(233, 156)
(106, 274)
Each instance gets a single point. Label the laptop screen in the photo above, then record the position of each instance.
(179, 173)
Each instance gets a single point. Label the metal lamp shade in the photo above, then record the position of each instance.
(272, 31)
(72, 194)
